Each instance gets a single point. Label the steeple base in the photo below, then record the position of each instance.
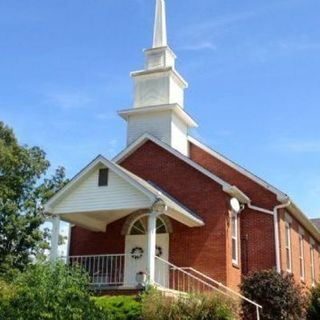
(169, 123)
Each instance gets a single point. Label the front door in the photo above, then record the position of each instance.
(136, 250)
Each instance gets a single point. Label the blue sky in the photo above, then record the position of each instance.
(253, 68)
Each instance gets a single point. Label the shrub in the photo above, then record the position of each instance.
(120, 307)
(6, 292)
(46, 291)
(314, 307)
(156, 305)
(279, 295)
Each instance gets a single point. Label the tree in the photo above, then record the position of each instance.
(21, 196)
(279, 296)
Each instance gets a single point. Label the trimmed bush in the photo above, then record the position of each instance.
(46, 291)
(120, 307)
(155, 305)
(314, 307)
(279, 295)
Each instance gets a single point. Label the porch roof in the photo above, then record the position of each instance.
(98, 218)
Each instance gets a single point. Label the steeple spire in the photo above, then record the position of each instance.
(158, 107)
(160, 25)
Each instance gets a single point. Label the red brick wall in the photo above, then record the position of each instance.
(295, 251)
(257, 230)
(258, 194)
(206, 248)
(85, 242)
(258, 249)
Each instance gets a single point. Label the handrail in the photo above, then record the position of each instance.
(222, 285)
(217, 283)
(98, 255)
(190, 275)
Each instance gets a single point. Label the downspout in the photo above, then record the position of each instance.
(274, 212)
(276, 231)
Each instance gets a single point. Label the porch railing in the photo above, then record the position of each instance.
(106, 270)
(120, 270)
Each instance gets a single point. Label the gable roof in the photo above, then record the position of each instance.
(189, 218)
(281, 196)
(226, 187)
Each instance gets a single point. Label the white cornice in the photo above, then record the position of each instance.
(169, 70)
(160, 49)
(125, 114)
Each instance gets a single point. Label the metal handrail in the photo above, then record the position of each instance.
(173, 267)
(222, 285)
(217, 283)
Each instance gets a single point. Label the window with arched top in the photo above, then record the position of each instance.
(140, 226)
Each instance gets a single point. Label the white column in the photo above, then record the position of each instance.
(55, 238)
(151, 246)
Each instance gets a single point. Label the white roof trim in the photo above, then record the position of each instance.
(145, 137)
(280, 195)
(125, 114)
(146, 188)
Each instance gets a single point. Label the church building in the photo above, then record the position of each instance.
(169, 210)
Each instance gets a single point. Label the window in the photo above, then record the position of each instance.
(288, 247)
(140, 226)
(301, 256)
(234, 234)
(103, 177)
(313, 277)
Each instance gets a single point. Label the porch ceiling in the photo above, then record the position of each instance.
(95, 221)
(99, 220)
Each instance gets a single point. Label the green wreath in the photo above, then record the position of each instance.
(159, 251)
(137, 253)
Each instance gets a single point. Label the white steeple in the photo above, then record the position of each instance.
(158, 107)
(160, 26)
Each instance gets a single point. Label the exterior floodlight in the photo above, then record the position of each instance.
(235, 205)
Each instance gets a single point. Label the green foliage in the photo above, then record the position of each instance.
(279, 295)
(46, 291)
(21, 170)
(120, 308)
(155, 305)
(6, 293)
(314, 306)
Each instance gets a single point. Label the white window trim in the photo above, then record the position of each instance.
(301, 256)
(312, 261)
(288, 247)
(235, 238)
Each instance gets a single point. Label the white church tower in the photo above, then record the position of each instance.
(159, 94)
